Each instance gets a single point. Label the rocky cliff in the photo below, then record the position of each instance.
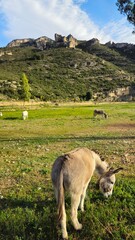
(21, 42)
(45, 42)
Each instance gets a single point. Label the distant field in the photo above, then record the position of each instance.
(27, 151)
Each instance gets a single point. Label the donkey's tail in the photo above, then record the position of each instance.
(61, 198)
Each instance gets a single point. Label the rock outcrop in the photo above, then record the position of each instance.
(93, 41)
(68, 41)
(119, 45)
(72, 42)
(122, 94)
(87, 45)
(45, 42)
(41, 42)
(21, 42)
(3, 53)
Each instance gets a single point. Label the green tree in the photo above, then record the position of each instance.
(25, 88)
(88, 95)
(127, 7)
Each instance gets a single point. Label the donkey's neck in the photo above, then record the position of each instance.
(101, 166)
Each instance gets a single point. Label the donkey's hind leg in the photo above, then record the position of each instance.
(75, 200)
(83, 197)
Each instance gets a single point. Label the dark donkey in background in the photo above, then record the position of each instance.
(100, 112)
(72, 172)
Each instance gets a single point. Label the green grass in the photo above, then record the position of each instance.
(27, 151)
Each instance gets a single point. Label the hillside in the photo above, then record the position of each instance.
(121, 55)
(61, 73)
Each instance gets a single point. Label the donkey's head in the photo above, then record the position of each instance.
(107, 181)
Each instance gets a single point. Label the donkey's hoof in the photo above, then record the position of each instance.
(78, 226)
(65, 236)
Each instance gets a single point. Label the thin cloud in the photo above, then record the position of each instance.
(35, 18)
(120, 31)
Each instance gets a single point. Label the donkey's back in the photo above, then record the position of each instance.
(100, 112)
(77, 167)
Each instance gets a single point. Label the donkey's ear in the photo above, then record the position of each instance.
(112, 171)
(117, 170)
(109, 172)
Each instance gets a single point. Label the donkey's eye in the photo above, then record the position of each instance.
(111, 182)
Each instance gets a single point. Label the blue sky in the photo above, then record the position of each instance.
(84, 19)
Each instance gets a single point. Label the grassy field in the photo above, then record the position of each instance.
(27, 151)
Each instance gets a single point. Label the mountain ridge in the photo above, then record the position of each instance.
(63, 39)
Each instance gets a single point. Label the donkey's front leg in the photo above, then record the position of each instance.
(75, 200)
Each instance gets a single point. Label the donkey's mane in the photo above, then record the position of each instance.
(101, 166)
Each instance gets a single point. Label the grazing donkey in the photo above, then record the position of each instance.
(100, 112)
(72, 172)
(24, 115)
